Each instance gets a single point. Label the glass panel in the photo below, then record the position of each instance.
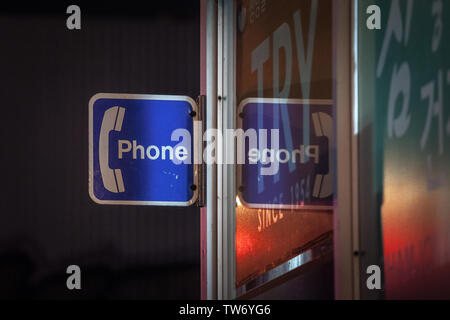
(404, 121)
(283, 50)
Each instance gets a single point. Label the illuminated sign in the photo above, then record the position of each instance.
(284, 59)
(299, 175)
(404, 82)
(134, 155)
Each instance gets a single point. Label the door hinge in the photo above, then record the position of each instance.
(200, 167)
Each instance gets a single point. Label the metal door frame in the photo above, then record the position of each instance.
(218, 223)
(346, 207)
(218, 229)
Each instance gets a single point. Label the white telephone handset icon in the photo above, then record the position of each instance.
(112, 178)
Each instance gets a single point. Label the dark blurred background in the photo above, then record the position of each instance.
(47, 220)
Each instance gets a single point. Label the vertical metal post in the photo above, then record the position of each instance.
(211, 169)
(346, 201)
(220, 153)
(218, 260)
(355, 148)
(226, 172)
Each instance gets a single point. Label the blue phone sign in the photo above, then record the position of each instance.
(134, 155)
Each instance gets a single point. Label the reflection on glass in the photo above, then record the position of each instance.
(284, 51)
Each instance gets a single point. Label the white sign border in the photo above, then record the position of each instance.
(241, 107)
(129, 96)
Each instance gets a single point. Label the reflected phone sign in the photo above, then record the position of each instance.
(299, 171)
(134, 155)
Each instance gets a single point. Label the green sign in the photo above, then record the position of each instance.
(404, 101)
